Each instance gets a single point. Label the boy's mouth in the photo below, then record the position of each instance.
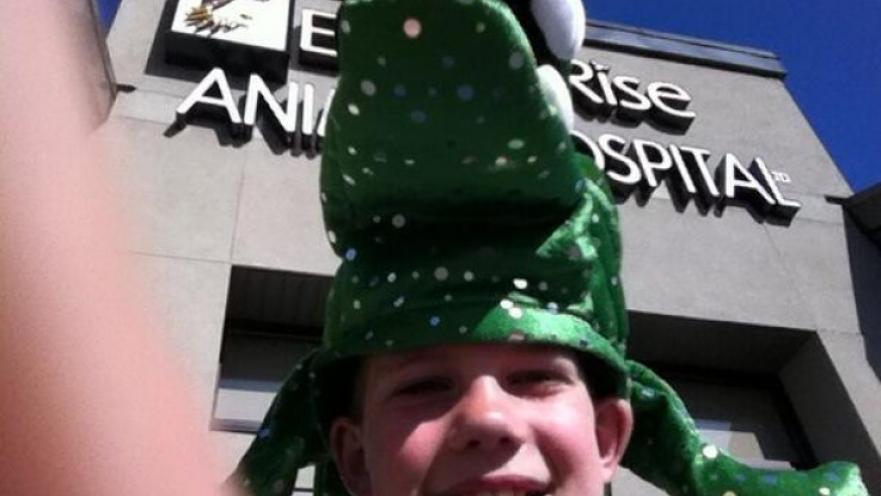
(513, 493)
(501, 486)
(508, 493)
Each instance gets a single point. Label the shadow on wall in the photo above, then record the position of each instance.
(865, 270)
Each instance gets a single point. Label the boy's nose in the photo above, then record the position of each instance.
(485, 418)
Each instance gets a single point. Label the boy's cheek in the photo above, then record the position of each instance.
(400, 451)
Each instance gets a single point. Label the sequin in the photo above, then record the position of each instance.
(412, 27)
(399, 221)
(515, 61)
(368, 87)
(710, 452)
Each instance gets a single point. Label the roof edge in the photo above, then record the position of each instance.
(687, 49)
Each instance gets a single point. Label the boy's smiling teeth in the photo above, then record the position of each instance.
(511, 493)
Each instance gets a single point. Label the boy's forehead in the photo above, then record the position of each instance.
(466, 354)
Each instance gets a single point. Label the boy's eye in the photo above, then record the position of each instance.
(536, 378)
(424, 386)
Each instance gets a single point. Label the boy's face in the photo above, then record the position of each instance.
(488, 419)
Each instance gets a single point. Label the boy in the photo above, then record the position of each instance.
(506, 419)
(477, 305)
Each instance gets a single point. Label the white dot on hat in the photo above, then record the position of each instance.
(729, 493)
(710, 452)
(399, 221)
(418, 116)
(399, 301)
(468, 275)
(352, 150)
(532, 159)
(278, 486)
(515, 313)
(515, 61)
(412, 27)
(465, 92)
(542, 286)
(353, 109)
(463, 330)
(346, 26)
(506, 304)
(368, 87)
(441, 273)
(520, 283)
(331, 236)
(824, 491)
(448, 297)
(392, 277)
(481, 27)
(351, 253)
(415, 274)
(356, 304)
(515, 144)
(380, 60)
(349, 179)
(434, 321)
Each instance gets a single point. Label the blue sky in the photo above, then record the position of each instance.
(831, 48)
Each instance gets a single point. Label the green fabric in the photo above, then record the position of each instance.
(463, 214)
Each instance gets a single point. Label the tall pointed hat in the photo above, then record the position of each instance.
(463, 214)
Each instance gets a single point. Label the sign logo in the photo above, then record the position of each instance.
(242, 36)
(633, 167)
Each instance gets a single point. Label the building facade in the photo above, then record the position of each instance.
(749, 287)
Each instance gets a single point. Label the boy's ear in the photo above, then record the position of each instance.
(613, 425)
(347, 446)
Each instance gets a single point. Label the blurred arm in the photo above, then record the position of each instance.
(90, 403)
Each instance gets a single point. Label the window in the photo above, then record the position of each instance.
(273, 318)
(748, 416)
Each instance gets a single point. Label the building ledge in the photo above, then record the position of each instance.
(685, 49)
(865, 208)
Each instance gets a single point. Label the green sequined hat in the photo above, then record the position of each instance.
(463, 214)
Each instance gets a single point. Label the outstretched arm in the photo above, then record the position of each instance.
(90, 403)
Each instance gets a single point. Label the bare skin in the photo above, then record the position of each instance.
(469, 420)
(91, 403)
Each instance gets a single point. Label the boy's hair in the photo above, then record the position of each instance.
(349, 376)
